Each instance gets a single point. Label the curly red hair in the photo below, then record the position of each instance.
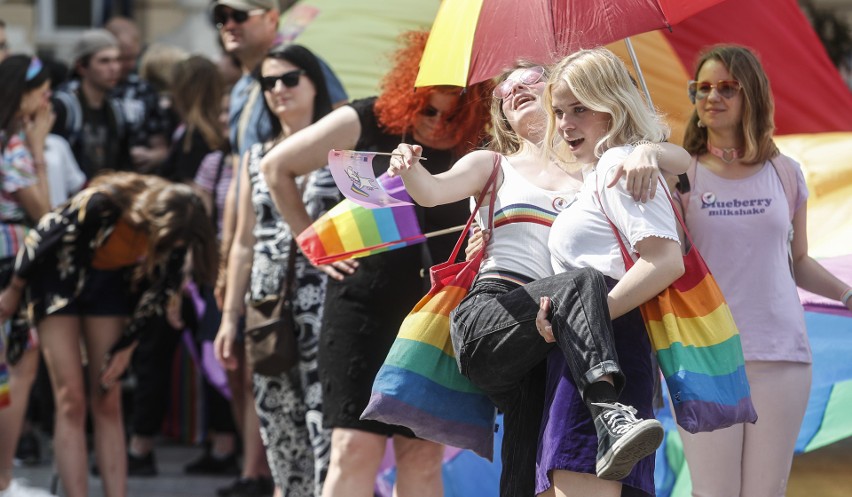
(400, 103)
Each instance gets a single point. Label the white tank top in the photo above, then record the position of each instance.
(523, 214)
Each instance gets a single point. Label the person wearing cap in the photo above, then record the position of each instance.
(248, 29)
(86, 115)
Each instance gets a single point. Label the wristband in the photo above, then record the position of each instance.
(654, 146)
(846, 296)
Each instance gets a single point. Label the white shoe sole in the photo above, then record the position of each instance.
(640, 442)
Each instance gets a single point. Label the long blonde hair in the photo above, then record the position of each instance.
(601, 82)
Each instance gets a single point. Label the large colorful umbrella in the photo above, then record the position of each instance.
(355, 37)
(473, 40)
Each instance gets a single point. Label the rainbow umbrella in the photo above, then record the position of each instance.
(474, 40)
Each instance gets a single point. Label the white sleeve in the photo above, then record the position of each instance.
(635, 220)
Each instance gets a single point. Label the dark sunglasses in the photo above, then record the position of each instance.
(221, 16)
(699, 90)
(527, 77)
(431, 112)
(289, 79)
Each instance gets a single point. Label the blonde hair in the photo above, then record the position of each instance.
(601, 82)
(758, 111)
(158, 63)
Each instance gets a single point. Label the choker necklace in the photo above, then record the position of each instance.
(727, 155)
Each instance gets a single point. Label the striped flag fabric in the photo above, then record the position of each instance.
(4, 385)
(349, 230)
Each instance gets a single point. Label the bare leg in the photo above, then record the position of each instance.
(21, 378)
(418, 467)
(60, 343)
(355, 459)
(571, 484)
(100, 335)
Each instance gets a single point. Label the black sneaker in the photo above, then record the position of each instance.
(623, 439)
(141, 465)
(208, 464)
(261, 486)
(28, 451)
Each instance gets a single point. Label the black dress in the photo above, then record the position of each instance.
(364, 311)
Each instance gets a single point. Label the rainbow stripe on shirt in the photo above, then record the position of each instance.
(523, 213)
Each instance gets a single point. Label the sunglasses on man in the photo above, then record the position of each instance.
(699, 90)
(221, 16)
(289, 79)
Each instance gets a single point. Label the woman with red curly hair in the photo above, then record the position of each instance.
(367, 300)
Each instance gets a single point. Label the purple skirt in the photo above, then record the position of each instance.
(568, 440)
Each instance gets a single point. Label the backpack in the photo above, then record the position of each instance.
(785, 169)
(74, 115)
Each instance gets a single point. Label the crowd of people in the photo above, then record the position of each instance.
(147, 191)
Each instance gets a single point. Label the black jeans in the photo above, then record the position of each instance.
(500, 350)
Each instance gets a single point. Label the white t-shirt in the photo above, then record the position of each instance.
(64, 177)
(740, 227)
(582, 237)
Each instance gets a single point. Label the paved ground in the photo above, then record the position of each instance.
(171, 482)
(823, 473)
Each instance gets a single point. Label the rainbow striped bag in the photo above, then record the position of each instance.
(419, 386)
(697, 345)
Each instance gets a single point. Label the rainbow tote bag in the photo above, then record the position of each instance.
(419, 386)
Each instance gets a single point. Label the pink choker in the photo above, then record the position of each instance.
(727, 155)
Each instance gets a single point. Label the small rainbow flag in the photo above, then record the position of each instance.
(4, 385)
(350, 230)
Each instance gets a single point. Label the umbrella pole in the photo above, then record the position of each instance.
(636, 66)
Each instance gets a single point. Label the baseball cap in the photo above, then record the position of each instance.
(92, 41)
(247, 5)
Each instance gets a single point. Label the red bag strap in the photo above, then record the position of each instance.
(490, 185)
(625, 254)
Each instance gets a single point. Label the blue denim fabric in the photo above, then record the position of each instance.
(499, 349)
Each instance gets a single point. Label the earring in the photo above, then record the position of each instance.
(700, 124)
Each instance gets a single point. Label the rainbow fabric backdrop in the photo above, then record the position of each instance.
(699, 350)
(350, 231)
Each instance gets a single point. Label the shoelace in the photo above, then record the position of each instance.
(619, 416)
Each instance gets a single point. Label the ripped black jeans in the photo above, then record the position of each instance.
(500, 350)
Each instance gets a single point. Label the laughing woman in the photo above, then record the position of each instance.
(598, 113)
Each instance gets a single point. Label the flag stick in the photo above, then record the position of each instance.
(454, 229)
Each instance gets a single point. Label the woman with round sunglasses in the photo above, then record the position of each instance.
(289, 405)
(736, 163)
(371, 297)
(25, 121)
(494, 330)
